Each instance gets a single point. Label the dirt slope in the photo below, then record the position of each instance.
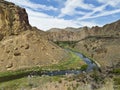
(22, 45)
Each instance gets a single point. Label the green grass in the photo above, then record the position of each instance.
(117, 80)
(84, 67)
(28, 83)
(17, 72)
(116, 71)
(73, 62)
(86, 55)
(70, 45)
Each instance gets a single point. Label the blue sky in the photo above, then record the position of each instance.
(46, 14)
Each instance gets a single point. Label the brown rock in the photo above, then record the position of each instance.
(17, 54)
(9, 65)
(13, 19)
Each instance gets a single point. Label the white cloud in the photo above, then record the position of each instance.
(113, 3)
(45, 22)
(29, 4)
(48, 23)
(99, 11)
(105, 13)
(37, 14)
(71, 5)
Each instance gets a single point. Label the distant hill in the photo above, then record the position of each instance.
(67, 34)
(76, 34)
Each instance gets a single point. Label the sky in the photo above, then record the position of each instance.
(47, 14)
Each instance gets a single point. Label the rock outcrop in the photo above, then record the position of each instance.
(21, 45)
(13, 19)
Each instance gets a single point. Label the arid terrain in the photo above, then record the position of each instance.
(22, 45)
(99, 43)
(58, 59)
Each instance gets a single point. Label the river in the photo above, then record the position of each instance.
(90, 67)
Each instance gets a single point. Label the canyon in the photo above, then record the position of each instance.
(33, 59)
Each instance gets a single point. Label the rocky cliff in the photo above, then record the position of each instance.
(13, 19)
(21, 45)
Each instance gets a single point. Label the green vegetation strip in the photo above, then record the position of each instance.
(70, 45)
(27, 70)
(73, 62)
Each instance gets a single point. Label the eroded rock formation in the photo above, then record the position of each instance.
(13, 19)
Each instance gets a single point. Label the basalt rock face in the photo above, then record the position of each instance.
(24, 46)
(13, 19)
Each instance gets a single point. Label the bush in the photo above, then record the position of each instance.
(84, 67)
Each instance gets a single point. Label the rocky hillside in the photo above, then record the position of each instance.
(67, 34)
(112, 29)
(105, 50)
(76, 34)
(21, 45)
(99, 43)
(102, 44)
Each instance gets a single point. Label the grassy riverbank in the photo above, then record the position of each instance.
(20, 78)
(70, 45)
(72, 62)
